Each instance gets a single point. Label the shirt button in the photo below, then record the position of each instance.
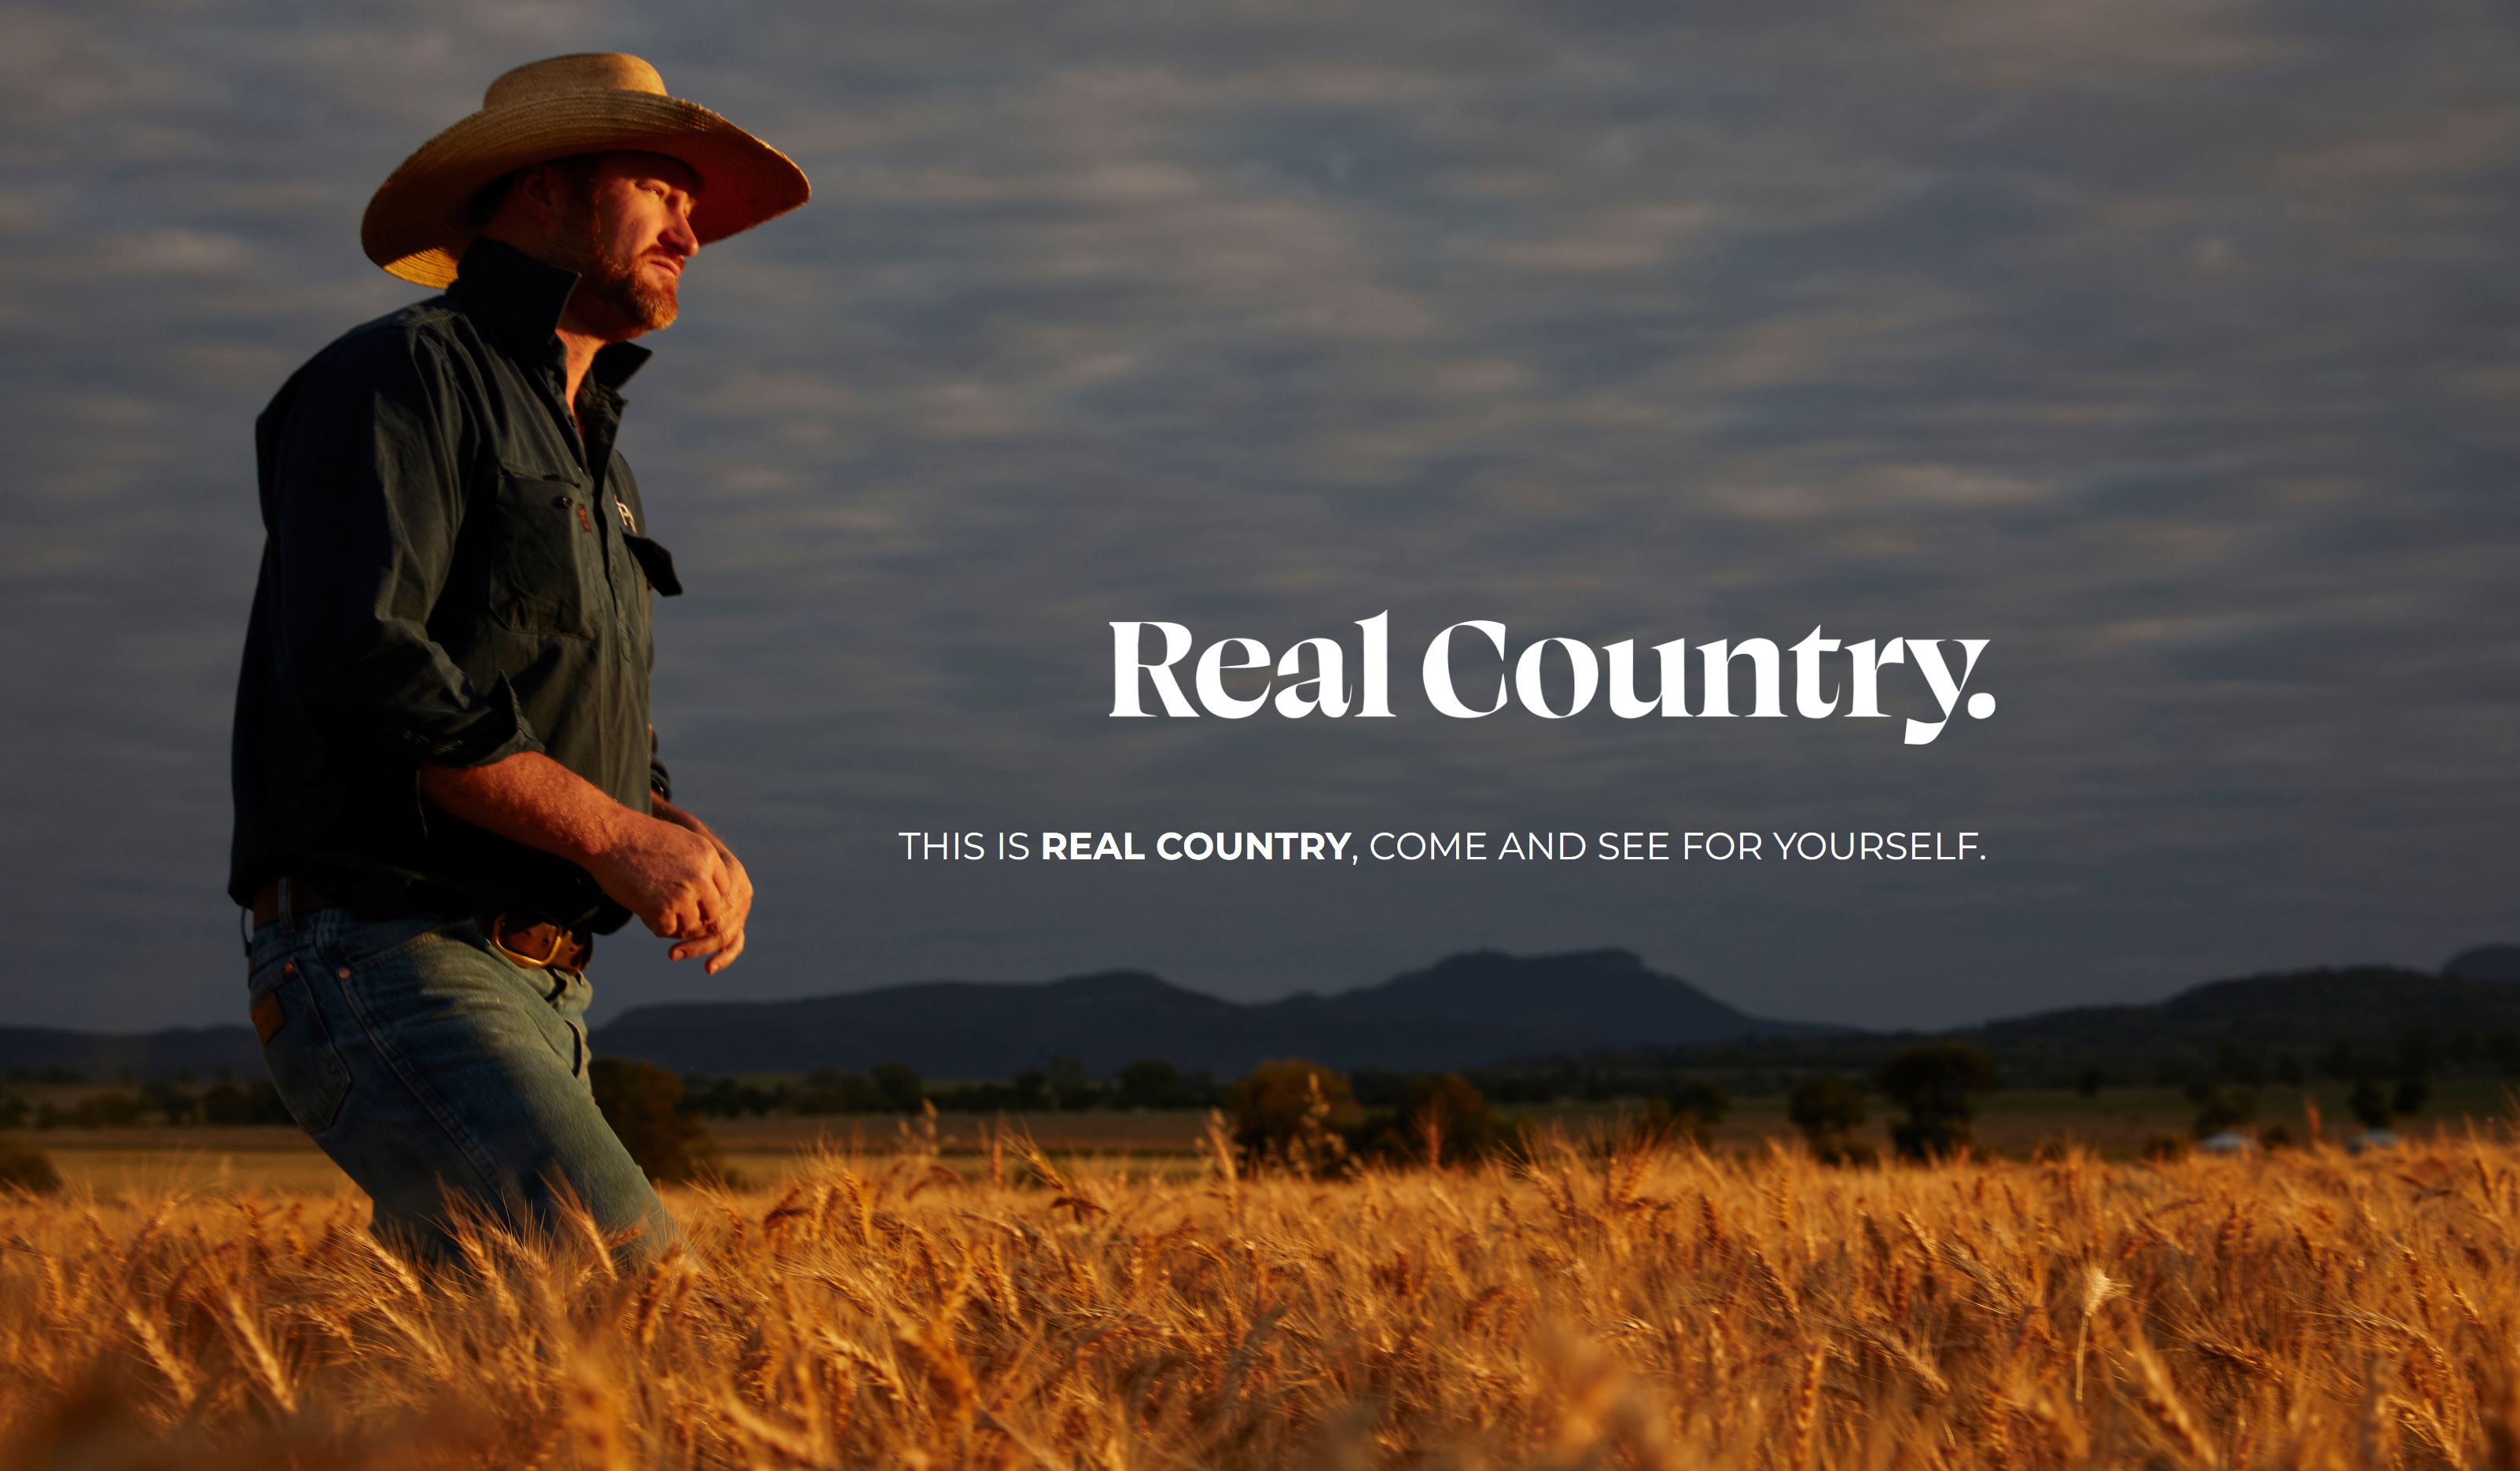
(343, 971)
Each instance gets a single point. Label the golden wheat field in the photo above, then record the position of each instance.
(1664, 1308)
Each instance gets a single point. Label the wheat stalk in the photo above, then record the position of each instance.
(2097, 1288)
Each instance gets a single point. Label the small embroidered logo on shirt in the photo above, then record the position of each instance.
(582, 521)
(627, 524)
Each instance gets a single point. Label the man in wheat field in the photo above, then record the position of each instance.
(447, 780)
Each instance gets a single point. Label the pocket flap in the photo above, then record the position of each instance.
(656, 562)
(544, 569)
(537, 473)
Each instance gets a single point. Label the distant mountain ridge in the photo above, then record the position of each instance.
(109, 1057)
(1462, 1011)
(1470, 1009)
(2486, 962)
(2305, 1014)
(2297, 1012)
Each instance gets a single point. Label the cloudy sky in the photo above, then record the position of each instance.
(2168, 345)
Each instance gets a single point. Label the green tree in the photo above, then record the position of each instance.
(1446, 1117)
(255, 1103)
(2235, 1063)
(2369, 1104)
(174, 1104)
(642, 1101)
(1701, 1104)
(1683, 1111)
(897, 1086)
(1938, 1085)
(828, 1089)
(2339, 1060)
(1070, 1086)
(1827, 1109)
(2417, 1051)
(1152, 1083)
(224, 1103)
(107, 1110)
(1294, 1111)
(2225, 1108)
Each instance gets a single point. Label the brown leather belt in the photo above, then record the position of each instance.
(309, 898)
(535, 944)
(539, 945)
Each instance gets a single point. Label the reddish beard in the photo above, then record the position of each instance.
(619, 286)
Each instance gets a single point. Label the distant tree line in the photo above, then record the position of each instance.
(1296, 1111)
(1063, 1085)
(2419, 1055)
(2387, 1084)
(1932, 1086)
(1768, 1065)
(160, 1104)
(1296, 1114)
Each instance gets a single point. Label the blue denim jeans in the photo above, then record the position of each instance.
(424, 1062)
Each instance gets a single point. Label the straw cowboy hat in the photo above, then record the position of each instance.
(416, 226)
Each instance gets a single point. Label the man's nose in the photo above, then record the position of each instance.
(678, 237)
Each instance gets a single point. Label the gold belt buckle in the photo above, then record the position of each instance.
(498, 937)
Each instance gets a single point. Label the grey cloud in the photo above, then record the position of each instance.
(2168, 348)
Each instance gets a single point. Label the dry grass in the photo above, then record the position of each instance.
(1664, 1310)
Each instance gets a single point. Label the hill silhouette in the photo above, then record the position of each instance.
(2305, 1014)
(1472, 1010)
(1462, 1011)
(203, 1052)
(2486, 962)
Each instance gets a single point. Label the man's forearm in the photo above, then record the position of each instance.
(676, 882)
(535, 800)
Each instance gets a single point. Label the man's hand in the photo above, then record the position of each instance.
(724, 941)
(669, 877)
(674, 876)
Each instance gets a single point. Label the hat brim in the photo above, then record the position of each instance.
(416, 226)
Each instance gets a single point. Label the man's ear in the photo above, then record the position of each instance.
(542, 189)
(549, 190)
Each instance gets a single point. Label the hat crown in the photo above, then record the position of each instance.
(420, 220)
(585, 71)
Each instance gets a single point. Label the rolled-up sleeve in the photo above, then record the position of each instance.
(368, 492)
(657, 780)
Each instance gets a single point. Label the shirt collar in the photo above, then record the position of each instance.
(518, 300)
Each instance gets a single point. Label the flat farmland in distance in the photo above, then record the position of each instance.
(2117, 1121)
(2116, 1124)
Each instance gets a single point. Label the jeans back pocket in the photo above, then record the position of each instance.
(307, 1069)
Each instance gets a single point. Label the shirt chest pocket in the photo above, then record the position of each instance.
(546, 555)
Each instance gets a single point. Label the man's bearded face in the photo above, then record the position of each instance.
(623, 236)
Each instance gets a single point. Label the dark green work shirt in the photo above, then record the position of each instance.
(450, 575)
